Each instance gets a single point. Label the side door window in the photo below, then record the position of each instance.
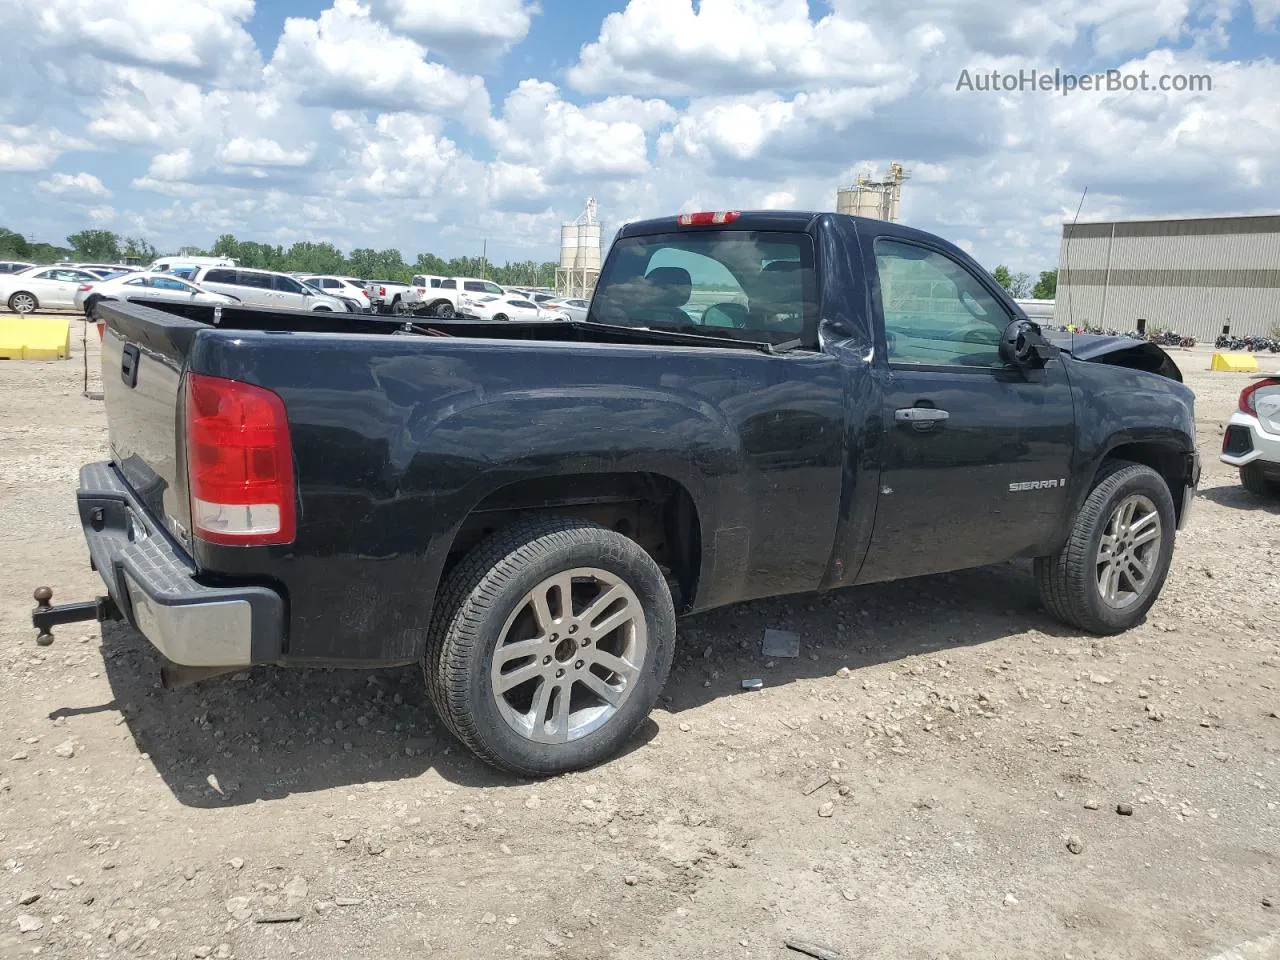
(220, 275)
(258, 287)
(936, 312)
(493, 288)
(475, 286)
(290, 291)
(449, 284)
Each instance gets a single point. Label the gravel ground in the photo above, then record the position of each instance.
(938, 774)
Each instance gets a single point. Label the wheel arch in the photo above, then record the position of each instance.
(654, 509)
(18, 293)
(1166, 457)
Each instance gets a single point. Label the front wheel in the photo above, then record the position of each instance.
(1111, 570)
(550, 643)
(443, 310)
(1254, 479)
(23, 303)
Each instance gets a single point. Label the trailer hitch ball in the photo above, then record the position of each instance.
(42, 596)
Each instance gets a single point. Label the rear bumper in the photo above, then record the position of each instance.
(153, 583)
(1246, 441)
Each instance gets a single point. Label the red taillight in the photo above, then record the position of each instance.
(239, 463)
(1247, 404)
(706, 219)
(86, 287)
(382, 291)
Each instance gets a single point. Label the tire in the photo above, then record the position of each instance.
(322, 310)
(500, 317)
(89, 306)
(443, 310)
(485, 602)
(23, 302)
(1069, 581)
(1254, 479)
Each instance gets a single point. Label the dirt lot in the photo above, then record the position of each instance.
(971, 745)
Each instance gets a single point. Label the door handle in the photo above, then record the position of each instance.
(920, 415)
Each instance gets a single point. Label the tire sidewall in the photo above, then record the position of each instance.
(1148, 483)
(607, 551)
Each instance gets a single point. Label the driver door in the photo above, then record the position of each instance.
(977, 453)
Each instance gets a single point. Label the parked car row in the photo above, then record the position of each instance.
(25, 288)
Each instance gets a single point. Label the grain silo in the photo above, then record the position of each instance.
(579, 255)
(878, 199)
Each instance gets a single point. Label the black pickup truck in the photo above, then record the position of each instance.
(757, 404)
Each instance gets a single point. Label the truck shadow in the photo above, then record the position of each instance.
(269, 733)
(1238, 498)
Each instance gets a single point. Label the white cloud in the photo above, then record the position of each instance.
(80, 184)
(474, 32)
(194, 38)
(101, 215)
(263, 152)
(1266, 12)
(345, 60)
(30, 149)
(171, 166)
(726, 46)
(565, 140)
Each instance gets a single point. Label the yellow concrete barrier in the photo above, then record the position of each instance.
(1234, 362)
(35, 338)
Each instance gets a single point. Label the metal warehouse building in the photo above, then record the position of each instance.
(1194, 276)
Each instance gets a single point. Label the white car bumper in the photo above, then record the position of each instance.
(1245, 441)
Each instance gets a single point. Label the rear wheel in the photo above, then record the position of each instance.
(23, 302)
(499, 316)
(549, 646)
(1111, 570)
(443, 310)
(401, 308)
(1254, 479)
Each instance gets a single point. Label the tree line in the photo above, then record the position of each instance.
(103, 246)
(1020, 286)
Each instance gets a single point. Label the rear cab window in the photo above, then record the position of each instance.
(741, 284)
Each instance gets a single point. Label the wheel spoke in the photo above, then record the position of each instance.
(614, 664)
(509, 681)
(1111, 581)
(596, 685)
(1106, 547)
(560, 714)
(562, 583)
(538, 712)
(1141, 567)
(1147, 535)
(602, 603)
(613, 622)
(1126, 515)
(1143, 522)
(516, 651)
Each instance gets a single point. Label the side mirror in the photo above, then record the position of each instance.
(1023, 345)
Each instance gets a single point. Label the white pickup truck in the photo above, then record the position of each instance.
(390, 296)
(439, 296)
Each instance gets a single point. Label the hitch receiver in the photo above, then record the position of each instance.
(45, 617)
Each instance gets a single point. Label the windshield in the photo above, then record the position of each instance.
(730, 283)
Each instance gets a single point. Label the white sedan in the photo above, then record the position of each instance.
(47, 287)
(1251, 442)
(508, 307)
(145, 286)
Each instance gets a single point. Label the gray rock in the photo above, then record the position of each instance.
(1075, 845)
(29, 897)
(28, 924)
(630, 880)
(347, 901)
(296, 889)
(224, 952)
(1091, 804)
(1124, 809)
(827, 809)
(66, 750)
(200, 953)
(240, 907)
(282, 916)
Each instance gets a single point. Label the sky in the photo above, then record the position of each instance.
(439, 125)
